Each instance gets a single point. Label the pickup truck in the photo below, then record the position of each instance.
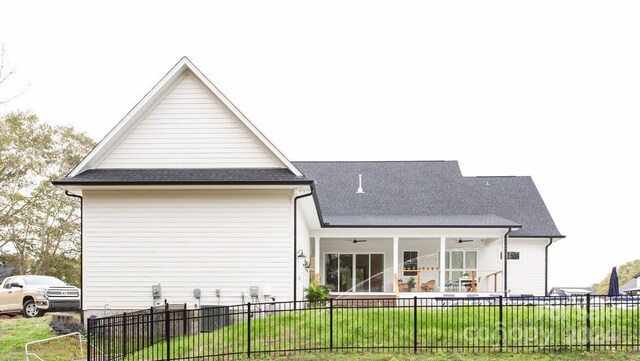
(34, 295)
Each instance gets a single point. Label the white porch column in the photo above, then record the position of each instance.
(316, 266)
(395, 264)
(443, 262)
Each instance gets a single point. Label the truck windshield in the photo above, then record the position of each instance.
(43, 281)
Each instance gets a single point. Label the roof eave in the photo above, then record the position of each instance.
(328, 225)
(173, 183)
(558, 236)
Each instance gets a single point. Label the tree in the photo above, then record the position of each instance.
(39, 224)
(625, 273)
(6, 73)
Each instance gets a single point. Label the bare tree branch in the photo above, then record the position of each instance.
(5, 75)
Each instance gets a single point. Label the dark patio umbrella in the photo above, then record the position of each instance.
(614, 290)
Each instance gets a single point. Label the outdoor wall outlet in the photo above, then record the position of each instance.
(218, 292)
(196, 292)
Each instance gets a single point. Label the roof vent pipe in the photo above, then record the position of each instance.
(360, 190)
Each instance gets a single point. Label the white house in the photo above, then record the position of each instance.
(632, 286)
(187, 194)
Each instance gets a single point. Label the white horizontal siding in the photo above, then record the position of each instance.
(303, 242)
(208, 239)
(489, 258)
(526, 275)
(189, 128)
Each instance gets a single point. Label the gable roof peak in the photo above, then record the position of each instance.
(168, 80)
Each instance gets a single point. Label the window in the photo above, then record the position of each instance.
(410, 263)
(511, 255)
(457, 263)
(354, 272)
(7, 282)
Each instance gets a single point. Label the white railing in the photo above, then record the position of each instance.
(26, 347)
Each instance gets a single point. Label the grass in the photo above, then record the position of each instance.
(16, 332)
(561, 330)
(571, 356)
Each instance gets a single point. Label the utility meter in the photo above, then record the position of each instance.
(156, 291)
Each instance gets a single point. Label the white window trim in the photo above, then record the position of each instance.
(417, 261)
(353, 269)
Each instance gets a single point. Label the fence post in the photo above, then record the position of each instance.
(331, 324)
(151, 326)
(500, 325)
(415, 324)
(167, 329)
(90, 331)
(588, 322)
(184, 317)
(248, 329)
(124, 334)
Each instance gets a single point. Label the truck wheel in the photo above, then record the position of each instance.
(29, 309)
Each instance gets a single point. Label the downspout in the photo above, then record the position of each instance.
(295, 246)
(546, 267)
(69, 194)
(504, 260)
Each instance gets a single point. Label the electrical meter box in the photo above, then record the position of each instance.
(196, 292)
(156, 291)
(254, 291)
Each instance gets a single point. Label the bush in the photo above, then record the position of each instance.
(317, 293)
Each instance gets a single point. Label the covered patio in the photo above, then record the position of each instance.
(403, 262)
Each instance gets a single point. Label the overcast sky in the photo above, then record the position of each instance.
(549, 89)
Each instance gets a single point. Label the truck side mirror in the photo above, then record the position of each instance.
(15, 285)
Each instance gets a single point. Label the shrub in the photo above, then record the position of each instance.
(317, 293)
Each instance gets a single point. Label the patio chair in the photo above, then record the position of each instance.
(403, 286)
(429, 286)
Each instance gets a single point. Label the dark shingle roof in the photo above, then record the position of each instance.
(461, 221)
(403, 194)
(184, 176)
(409, 193)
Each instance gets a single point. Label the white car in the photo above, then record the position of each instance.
(34, 295)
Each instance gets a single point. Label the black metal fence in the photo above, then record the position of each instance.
(479, 324)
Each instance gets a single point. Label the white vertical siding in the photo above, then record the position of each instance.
(526, 275)
(185, 239)
(189, 128)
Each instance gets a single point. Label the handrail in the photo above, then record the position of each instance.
(495, 279)
(475, 280)
(26, 346)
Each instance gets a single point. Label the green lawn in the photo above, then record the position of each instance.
(16, 332)
(582, 356)
(557, 329)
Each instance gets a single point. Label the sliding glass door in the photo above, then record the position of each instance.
(354, 272)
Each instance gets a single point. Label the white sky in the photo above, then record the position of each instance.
(549, 89)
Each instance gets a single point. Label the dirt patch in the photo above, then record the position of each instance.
(4, 316)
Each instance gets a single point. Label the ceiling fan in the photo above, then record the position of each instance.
(359, 240)
(464, 240)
